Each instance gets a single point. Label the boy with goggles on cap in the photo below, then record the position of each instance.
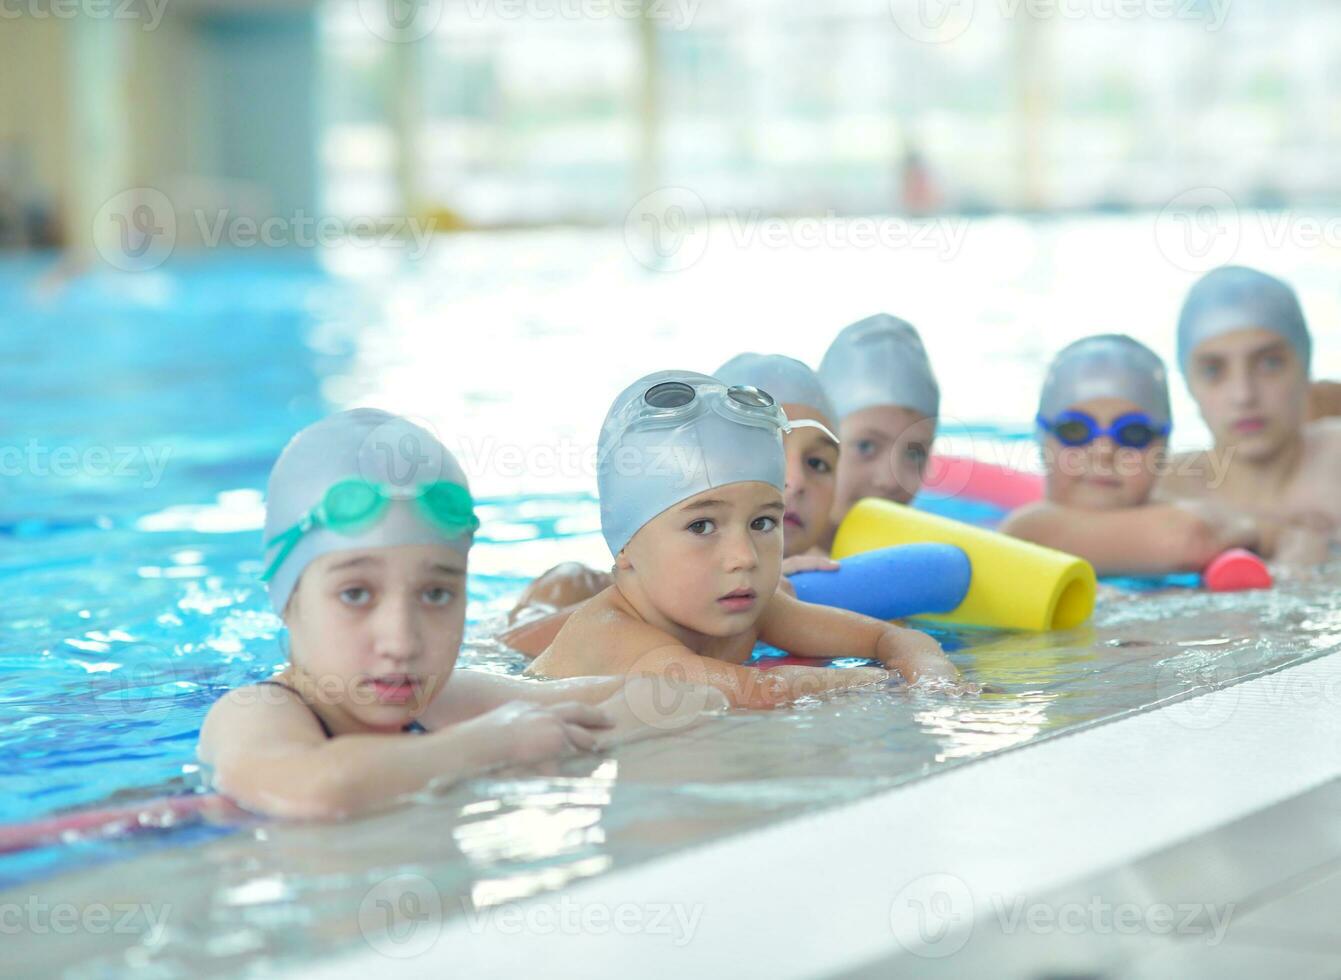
(1245, 350)
(367, 567)
(691, 475)
(1104, 422)
(812, 471)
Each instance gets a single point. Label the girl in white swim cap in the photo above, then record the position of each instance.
(887, 399)
(369, 524)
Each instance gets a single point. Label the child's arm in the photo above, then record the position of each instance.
(532, 637)
(271, 756)
(746, 687)
(1154, 539)
(808, 630)
(470, 693)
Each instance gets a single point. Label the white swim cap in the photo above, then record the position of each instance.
(690, 435)
(368, 446)
(785, 378)
(879, 361)
(1106, 366)
(1233, 297)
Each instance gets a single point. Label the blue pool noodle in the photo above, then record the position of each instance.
(892, 583)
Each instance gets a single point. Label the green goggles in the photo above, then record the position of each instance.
(353, 505)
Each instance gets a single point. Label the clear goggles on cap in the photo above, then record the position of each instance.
(673, 403)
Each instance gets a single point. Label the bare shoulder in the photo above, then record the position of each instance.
(258, 713)
(599, 638)
(1024, 520)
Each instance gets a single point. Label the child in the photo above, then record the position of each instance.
(812, 451)
(812, 459)
(1245, 350)
(1104, 421)
(881, 382)
(691, 476)
(368, 568)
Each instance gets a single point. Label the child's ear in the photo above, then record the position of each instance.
(622, 563)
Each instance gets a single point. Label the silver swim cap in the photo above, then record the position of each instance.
(674, 434)
(1233, 297)
(365, 446)
(785, 378)
(879, 361)
(1109, 365)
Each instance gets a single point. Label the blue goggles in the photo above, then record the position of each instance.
(1135, 430)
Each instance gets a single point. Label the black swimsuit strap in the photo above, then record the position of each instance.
(320, 720)
(413, 728)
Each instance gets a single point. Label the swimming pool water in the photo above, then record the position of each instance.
(143, 413)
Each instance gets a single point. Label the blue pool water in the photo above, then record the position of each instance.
(142, 413)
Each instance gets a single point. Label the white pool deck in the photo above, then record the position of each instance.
(1198, 839)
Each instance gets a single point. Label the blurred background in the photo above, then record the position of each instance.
(489, 113)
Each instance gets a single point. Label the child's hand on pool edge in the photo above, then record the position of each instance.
(649, 705)
(519, 732)
(916, 657)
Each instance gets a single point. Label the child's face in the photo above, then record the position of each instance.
(1252, 390)
(1102, 475)
(812, 476)
(885, 453)
(711, 563)
(378, 630)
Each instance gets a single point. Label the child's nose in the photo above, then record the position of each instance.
(741, 554)
(398, 635)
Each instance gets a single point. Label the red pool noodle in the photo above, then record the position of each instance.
(115, 821)
(960, 476)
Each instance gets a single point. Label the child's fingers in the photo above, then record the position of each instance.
(586, 715)
(581, 738)
(808, 563)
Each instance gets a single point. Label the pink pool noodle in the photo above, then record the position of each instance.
(960, 476)
(111, 821)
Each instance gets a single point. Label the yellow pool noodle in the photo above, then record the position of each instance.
(1015, 585)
